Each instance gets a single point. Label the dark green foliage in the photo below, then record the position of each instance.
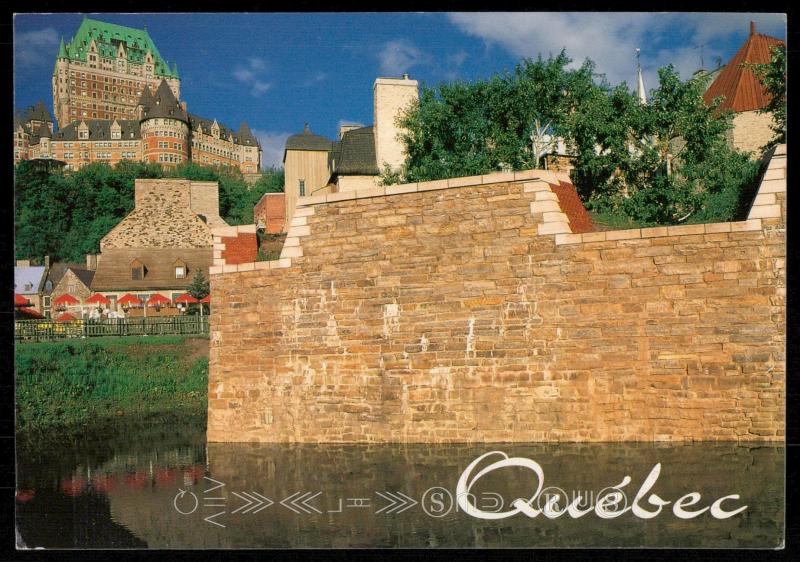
(199, 287)
(665, 162)
(64, 215)
(773, 77)
(70, 383)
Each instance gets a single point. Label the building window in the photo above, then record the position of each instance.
(137, 270)
(180, 272)
(302, 188)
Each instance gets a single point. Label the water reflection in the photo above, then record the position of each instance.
(130, 494)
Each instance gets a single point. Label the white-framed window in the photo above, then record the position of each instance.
(180, 272)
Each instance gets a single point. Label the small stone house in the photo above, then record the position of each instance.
(74, 281)
(160, 245)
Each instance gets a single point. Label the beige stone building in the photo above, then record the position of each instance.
(159, 246)
(314, 164)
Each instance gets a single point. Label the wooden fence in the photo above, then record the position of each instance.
(49, 330)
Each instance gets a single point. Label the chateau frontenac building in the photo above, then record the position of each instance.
(116, 98)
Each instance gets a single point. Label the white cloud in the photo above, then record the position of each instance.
(34, 48)
(315, 78)
(399, 56)
(272, 147)
(610, 39)
(252, 75)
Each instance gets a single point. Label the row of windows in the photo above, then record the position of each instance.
(172, 134)
(170, 158)
(164, 144)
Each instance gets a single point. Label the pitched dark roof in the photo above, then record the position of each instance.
(196, 121)
(44, 131)
(357, 153)
(308, 141)
(246, 136)
(57, 271)
(164, 105)
(114, 268)
(100, 129)
(737, 83)
(85, 275)
(38, 112)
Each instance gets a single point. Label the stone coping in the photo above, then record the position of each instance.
(468, 181)
(659, 231)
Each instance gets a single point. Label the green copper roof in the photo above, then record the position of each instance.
(108, 37)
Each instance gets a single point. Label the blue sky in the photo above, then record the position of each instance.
(278, 71)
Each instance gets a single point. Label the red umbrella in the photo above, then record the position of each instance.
(97, 298)
(206, 298)
(19, 300)
(157, 300)
(23, 314)
(66, 317)
(186, 298)
(66, 298)
(129, 300)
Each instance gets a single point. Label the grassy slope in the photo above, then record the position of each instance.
(71, 383)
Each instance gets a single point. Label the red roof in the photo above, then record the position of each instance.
(738, 85)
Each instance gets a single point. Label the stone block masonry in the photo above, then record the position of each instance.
(436, 313)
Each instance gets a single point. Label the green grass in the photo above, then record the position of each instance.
(610, 221)
(63, 385)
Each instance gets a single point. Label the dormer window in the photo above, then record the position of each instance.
(137, 270)
(180, 269)
(83, 134)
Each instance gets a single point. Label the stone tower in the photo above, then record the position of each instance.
(165, 127)
(390, 97)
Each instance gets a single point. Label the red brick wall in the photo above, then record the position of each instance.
(271, 210)
(240, 249)
(570, 203)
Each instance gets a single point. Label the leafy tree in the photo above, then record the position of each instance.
(65, 215)
(773, 77)
(664, 162)
(199, 287)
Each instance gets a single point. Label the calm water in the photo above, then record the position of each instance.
(162, 486)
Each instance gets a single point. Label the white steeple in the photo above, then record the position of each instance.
(640, 91)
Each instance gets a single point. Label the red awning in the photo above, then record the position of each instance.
(158, 300)
(97, 298)
(186, 298)
(66, 298)
(66, 317)
(129, 300)
(206, 298)
(19, 300)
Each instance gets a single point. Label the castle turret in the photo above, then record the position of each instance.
(164, 126)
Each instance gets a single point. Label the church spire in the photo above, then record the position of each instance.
(640, 91)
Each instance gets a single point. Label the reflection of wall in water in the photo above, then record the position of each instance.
(342, 471)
